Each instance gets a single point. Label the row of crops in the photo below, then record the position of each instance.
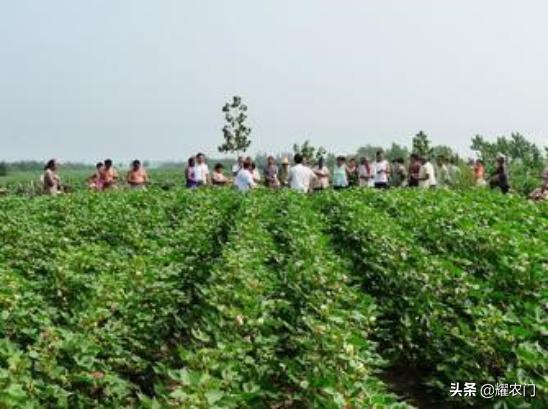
(213, 299)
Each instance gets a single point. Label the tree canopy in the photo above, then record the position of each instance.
(235, 132)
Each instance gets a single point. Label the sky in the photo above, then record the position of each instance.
(84, 80)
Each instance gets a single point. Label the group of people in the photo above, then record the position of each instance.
(381, 174)
(105, 177)
(499, 178)
(304, 176)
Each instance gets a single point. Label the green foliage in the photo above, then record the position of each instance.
(3, 169)
(524, 158)
(456, 286)
(516, 148)
(369, 151)
(396, 151)
(443, 151)
(307, 150)
(421, 144)
(213, 299)
(235, 132)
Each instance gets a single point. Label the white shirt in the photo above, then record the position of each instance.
(236, 168)
(201, 172)
(427, 168)
(364, 175)
(244, 180)
(256, 175)
(300, 178)
(381, 167)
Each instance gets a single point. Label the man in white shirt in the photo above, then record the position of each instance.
(427, 174)
(382, 171)
(443, 179)
(244, 179)
(300, 177)
(201, 170)
(238, 166)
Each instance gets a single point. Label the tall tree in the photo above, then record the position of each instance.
(3, 169)
(421, 144)
(308, 151)
(396, 151)
(443, 151)
(516, 148)
(368, 151)
(235, 132)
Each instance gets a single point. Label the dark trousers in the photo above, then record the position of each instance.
(381, 185)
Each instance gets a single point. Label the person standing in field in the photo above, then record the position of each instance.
(382, 171)
(454, 170)
(51, 178)
(244, 179)
(499, 179)
(340, 175)
(479, 173)
(322, 175)
(300, 177)
(427, 174)
(218, 177)
(364, 172)
(352, 171)
(109, 175)
(399, 173)
(201, 170)
(414, 170)
(237, 166)
(255, 173)
(541, 193)
(94, 181)
(190, 174)
(284, 172)
(137, 177)
(271, 173)
(443, 179)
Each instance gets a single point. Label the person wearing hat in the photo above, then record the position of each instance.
(499, 179)
(283, 174)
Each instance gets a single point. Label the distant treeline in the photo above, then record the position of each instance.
(36, 166)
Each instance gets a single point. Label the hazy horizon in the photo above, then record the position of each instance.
(81, 81)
